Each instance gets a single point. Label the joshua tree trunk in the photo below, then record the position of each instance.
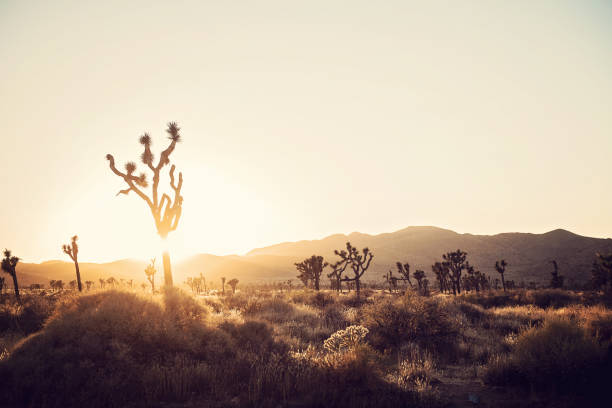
(78, 273)
(16, 286)
(167, 270)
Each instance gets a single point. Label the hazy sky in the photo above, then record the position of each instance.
(303, 119)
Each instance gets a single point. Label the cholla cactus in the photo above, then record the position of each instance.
(346, 339)
(166, 211)
(72, 250)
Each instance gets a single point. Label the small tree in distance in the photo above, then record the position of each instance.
(72, 250)
(166, 211)
(311, 270)
(455, 261)
(150, 272)
(335, 276)
(9, 265)
(233, 283)
(419, 275)
(358, 262)
(557, 280)
(404, 271)
(500, 267)
(223, 285)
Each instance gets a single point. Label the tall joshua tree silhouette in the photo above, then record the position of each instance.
(72, 250)
(166, 212)
(9, 265)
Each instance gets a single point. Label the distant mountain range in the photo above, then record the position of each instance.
(528, 255)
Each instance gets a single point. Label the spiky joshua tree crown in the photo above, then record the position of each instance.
(166, 211)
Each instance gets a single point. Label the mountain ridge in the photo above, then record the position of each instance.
(528, 255)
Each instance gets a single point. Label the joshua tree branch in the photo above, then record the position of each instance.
(126, 191)
(129, 179)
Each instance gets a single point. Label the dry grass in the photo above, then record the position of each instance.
(265, 348)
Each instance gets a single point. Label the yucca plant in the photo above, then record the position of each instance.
(9, 265)
(165, 210)
(72, 250)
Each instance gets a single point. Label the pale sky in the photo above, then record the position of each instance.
(303, 119)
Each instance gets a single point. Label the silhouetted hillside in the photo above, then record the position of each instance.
(529, 256)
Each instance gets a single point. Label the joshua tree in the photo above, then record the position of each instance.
(500, 267)
(233, 283)
(150, 272)
(419, 275)
(391, 281)
(455, 261)
(112, 282)
(88, 284)
(358, 263)
(56, 284)
(335, 276)
(223, 285)
(9, 264)
(311, 269)
(441, 271)
(601, 274)
(404, 271)
(557, 280)
(102, 282)
(72, 250)
(166, 212)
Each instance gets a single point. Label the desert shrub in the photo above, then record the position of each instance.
(238, 301)
(316, 299)
(560, 356)
(351, 299)
(554, 298)
(417, 370)
(411, 319)
(597, 321)
(26, 317)
(214, 304)
(333, 317)
(542, 298)
(95, 349)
